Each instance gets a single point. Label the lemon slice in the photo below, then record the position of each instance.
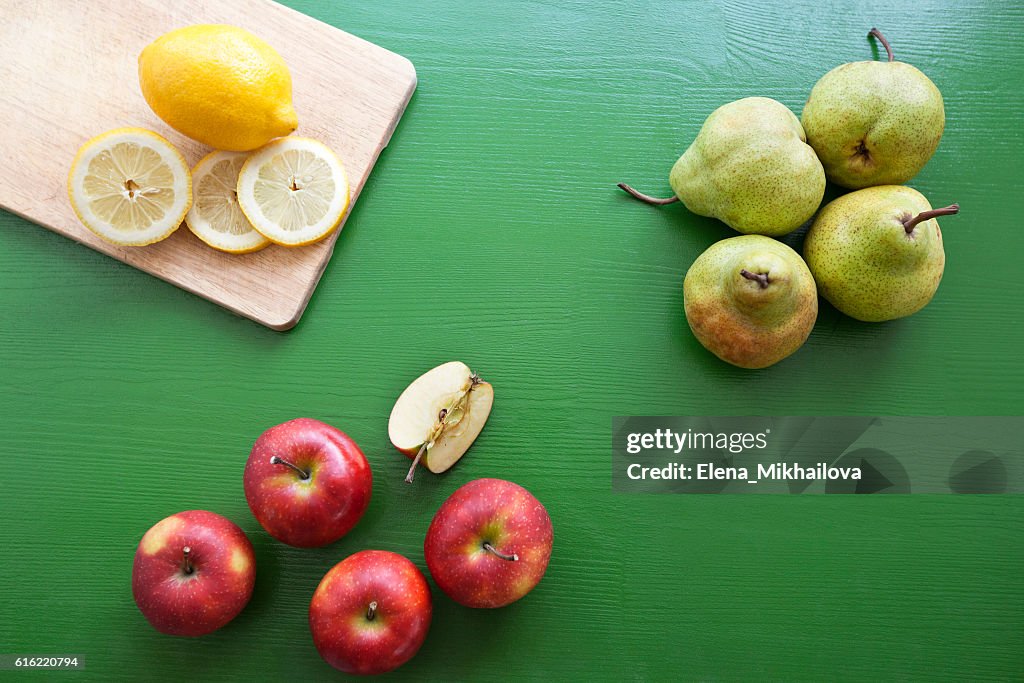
(215, 216)
(130, 186)
(294, 191)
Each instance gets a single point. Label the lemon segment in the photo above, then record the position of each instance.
(294, 191)
(220, 85)
(215, 216)
(130, 186)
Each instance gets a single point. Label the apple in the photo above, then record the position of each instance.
(438, 417)
(370, 613)
(307, 483)
(193, 573)
(489, 543)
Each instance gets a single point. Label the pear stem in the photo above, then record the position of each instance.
(885, 43)
(494, 551)
(648, 199)
(910, 223)
(186, 564)
(415, 461)
(761, 278)
(371, 611)
(274, 460)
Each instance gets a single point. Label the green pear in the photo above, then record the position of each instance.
(750, 300)
(874, 123)
(750, 167)
(876, 253)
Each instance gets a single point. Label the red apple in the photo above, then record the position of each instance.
(307, 483)
(194, 572)
(489, 543)
(370, 613)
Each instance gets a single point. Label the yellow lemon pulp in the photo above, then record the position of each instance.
(294, 191)
(130, 186)
(220, 85)
(215, 216)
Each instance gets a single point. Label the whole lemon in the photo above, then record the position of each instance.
(220, 85)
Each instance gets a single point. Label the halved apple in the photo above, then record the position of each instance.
(438, 417)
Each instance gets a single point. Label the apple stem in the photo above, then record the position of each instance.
(186, 564)
(494, 551)
(648, 199)
(371, 611)
(415, 461)
(910, 223)
(885, 43)
(274, 460)
(761, 278)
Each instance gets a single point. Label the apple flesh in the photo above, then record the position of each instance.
(193, 573)
(489, 543)
(307, 483)
(438, 417)
(371, 613)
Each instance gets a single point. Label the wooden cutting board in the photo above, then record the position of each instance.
(68, 73)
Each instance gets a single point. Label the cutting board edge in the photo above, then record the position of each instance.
(100, 249)
(368, 43)
(293, 319)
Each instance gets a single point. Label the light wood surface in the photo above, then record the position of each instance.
(68, 71)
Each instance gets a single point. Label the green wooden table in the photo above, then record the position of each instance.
(491, 231)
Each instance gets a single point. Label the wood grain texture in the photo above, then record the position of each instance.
(70, 73)
(491, 231)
